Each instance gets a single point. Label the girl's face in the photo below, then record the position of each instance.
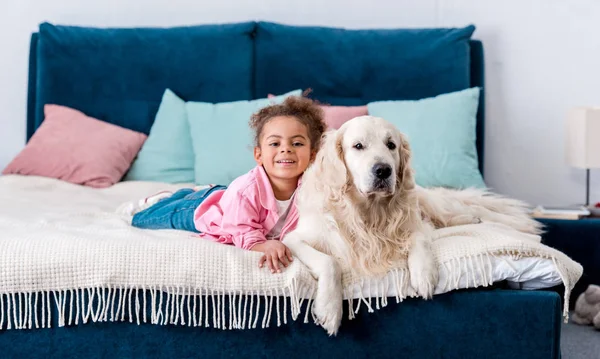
(284, 149)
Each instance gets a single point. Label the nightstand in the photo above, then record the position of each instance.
(580, 240)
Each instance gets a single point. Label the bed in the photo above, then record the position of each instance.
(119, 76)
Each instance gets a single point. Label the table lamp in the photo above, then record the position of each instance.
(583, 141)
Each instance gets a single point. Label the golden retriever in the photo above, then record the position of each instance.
(360, 210)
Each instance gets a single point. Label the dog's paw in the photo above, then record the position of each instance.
(424, 283)
(423, 273)
(328, 307)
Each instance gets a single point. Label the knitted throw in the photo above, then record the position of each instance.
(64, 250)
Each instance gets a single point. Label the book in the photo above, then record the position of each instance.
(560, 212)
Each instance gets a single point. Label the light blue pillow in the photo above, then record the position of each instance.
(167, 154)
(441, 132)
(222, 139)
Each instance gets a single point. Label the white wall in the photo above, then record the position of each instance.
(542, 57)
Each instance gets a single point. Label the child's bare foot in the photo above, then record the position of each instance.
(204, 186)
(133, 207)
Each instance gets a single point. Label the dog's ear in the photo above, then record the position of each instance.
(405, 180)
(329, 163)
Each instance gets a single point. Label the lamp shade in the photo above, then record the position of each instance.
(582, 147)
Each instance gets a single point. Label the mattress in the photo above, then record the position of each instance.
(29, 200)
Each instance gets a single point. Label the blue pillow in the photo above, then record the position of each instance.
(167, 154)
(441, 131)
(222, 139)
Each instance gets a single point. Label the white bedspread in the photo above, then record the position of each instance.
(61, 243)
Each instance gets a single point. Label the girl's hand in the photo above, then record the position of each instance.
(274, 253)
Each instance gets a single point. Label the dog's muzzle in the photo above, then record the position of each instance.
(382, 174)
(382, 171)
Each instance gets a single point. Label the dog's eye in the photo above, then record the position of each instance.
(358, 146)
(391, 145)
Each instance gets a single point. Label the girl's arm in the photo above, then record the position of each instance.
(241, 220)
(275, 252)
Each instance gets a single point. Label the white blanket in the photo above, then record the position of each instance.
(61, 244)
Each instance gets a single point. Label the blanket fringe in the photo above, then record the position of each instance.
(228, 310)
(172, 305)
(477, 269)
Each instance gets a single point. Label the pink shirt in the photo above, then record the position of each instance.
(244, 213)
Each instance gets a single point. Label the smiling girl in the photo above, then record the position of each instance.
(258, 208)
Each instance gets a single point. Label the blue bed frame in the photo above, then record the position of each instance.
(481, 323)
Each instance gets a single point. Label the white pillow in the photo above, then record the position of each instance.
(527, 273)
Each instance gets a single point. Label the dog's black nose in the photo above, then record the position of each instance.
(382, 170)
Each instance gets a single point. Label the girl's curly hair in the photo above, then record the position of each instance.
(305, 110)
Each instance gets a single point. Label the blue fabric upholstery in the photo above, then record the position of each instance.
(119, 75)
(580, 240)
(478, 80)
(465, 324)
(353, 67)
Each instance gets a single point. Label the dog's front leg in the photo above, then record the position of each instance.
(328, 303)
(421, 265)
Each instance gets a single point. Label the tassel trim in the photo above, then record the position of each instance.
(228, 310)
(172, 305)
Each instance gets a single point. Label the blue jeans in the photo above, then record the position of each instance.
(175, 212)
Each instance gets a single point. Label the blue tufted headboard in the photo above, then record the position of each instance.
(477, 80)
(119, 75)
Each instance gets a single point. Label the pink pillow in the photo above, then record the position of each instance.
(336, 116)
(73, 147)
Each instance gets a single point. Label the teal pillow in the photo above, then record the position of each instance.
(167, 154)
(441, 131)
(222, 139)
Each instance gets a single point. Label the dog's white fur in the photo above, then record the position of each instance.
(352, 220)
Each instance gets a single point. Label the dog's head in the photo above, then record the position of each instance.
(367, 154)
(364, 176)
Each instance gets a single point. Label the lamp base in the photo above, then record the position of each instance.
(587, 187)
